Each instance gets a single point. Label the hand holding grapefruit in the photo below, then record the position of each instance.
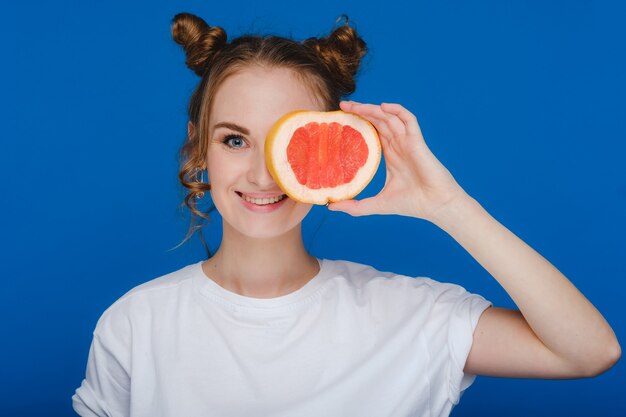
(320, 157)
(416, 183)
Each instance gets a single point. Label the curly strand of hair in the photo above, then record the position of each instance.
(197, 223)
(343, 16)
(187, 177)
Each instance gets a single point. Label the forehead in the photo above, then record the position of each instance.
(259, 96)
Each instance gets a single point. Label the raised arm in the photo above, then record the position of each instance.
(557, 332)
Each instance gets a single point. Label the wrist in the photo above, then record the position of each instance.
(455, 211)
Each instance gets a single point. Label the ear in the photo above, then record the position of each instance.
(190, 129)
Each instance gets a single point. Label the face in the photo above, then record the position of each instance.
(245, 107)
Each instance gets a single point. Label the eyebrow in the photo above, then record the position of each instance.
(232, 126)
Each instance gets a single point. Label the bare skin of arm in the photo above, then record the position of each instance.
(556, 333)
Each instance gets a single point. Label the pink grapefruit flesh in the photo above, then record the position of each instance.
(317, 157)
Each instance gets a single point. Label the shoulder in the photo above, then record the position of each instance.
(387, 285)
(142, 300)
(164, 283)
(362, 275)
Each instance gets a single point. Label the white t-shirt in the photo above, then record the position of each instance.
(353, 341)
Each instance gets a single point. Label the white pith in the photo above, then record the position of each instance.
(263, 201)
(300, 192)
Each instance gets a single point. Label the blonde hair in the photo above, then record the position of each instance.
(326, 65)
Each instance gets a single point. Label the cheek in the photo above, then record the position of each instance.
(213, 164)
(220, 169)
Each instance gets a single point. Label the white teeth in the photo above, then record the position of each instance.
(262, 201)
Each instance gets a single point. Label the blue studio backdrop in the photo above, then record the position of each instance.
(522, 101)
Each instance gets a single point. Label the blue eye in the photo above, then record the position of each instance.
(234, 141)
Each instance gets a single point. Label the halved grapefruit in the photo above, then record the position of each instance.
(320, 157)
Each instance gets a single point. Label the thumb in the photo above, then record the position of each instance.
(354, 207)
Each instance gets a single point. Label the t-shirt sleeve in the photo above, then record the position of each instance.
(463, 320)
(105, 391)
(455, 314)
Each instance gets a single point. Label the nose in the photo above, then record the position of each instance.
(258, 173)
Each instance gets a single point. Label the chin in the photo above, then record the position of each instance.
(257, 232)
(258, 229)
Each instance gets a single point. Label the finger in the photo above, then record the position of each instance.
(383, 131)
(346, 105)
(347, 206)
(388, 125)
(356, 207)
(392, 123)
(408, 118)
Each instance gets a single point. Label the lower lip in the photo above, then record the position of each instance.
(266, 208)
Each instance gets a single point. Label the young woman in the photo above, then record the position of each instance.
(264, 328)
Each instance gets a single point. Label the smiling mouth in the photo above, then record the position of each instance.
(262, 201)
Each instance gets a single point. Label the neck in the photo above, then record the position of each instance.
(261, 268)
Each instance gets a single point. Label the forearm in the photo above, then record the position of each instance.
(560, 316)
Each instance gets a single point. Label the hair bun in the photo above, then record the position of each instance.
(341, 52)
(199, 40)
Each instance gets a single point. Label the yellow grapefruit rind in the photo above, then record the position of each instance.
(277, 164)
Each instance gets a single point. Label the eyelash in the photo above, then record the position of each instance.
(227, 138)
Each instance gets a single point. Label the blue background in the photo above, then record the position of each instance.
(522, 101)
